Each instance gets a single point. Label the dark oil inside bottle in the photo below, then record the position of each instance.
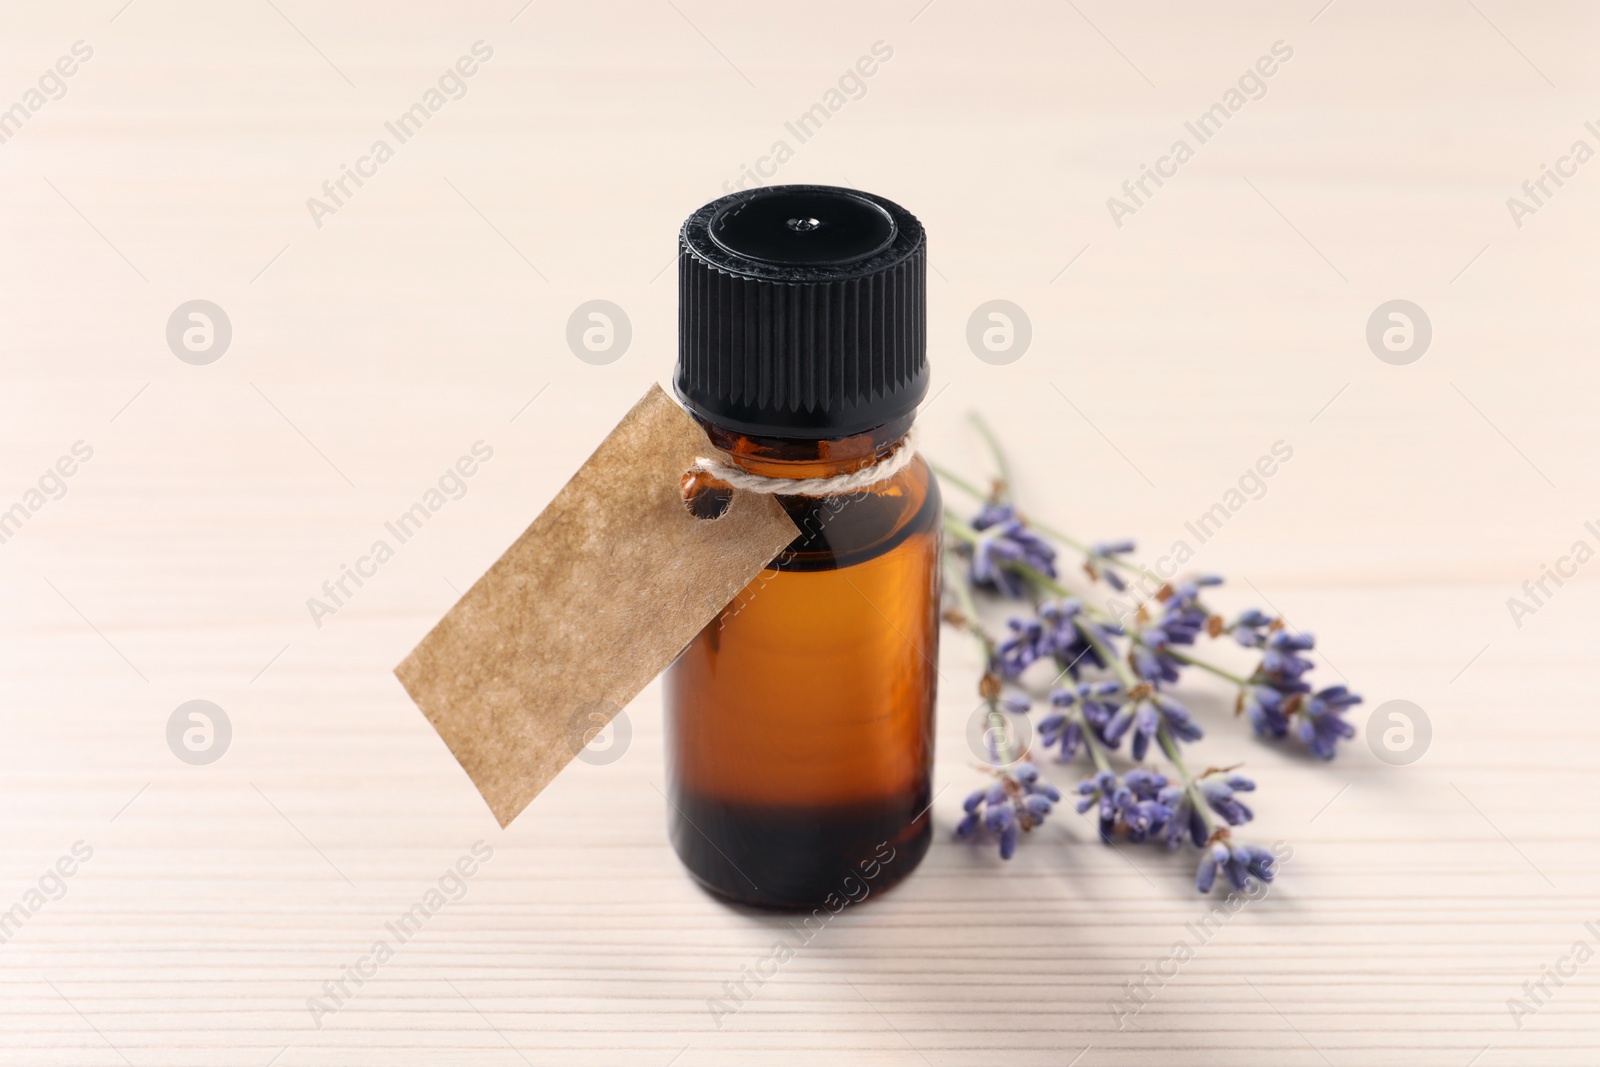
(800, 720)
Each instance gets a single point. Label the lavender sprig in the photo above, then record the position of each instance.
(1018, 801)
(1120, 670)
(1002, 540)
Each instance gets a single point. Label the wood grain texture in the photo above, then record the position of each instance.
(429, 311)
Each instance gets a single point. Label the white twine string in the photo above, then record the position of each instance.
(838, 485)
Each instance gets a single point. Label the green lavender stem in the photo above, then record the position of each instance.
(1176, 759)
(1007, 487)
(1089, 743)
(1184, 657)
(1119, 668)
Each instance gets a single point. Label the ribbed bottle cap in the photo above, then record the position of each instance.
(802, 312)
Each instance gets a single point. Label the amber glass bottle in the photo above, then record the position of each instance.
(800, 720)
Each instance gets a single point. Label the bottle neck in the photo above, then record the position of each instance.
(792, 457)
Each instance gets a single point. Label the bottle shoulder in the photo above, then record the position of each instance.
(841, 531)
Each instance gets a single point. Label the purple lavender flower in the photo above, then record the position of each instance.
(1017, 801)
(1239, 863)
(1025, 647)
(1215, 856)
(993, 514)
(1036, 788)
(1321, 720)
(1183, 618)
(1219, 792)
(1003, 538)
(1001, 820)
(969, 821)
(1143, 812)
(1059, 730)
(1059, 620)
(1134, 807)
(1100, 789)
(1056, 633)
(1282, 658)
(1071, 631)
(1250, 629)
(1186, 820)
(1093, 788)
(1102, 561)
(1279, 697)
(1097, 709)
(1176, 718)
(1146, 715)
(1066, 731)
(1257, 861)
(1149, 659)
(1265, 706)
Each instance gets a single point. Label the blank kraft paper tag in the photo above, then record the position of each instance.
(594, 600)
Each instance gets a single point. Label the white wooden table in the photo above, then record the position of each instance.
(428, 312)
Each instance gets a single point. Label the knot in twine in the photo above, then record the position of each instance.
(837, 485)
